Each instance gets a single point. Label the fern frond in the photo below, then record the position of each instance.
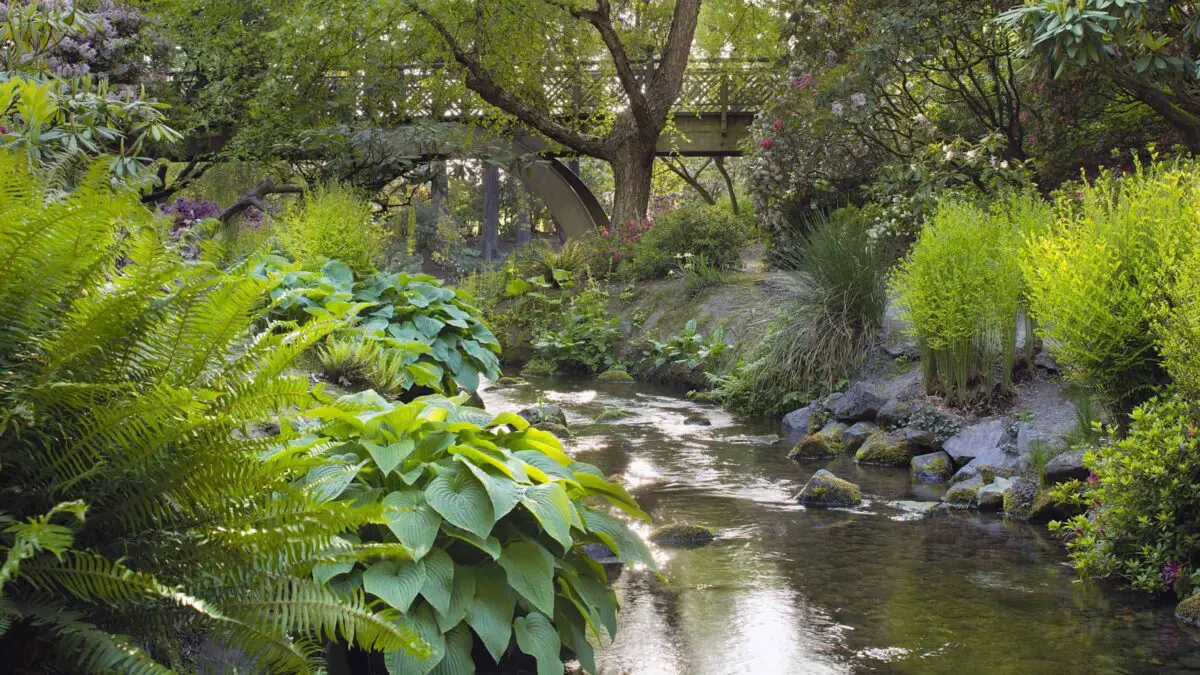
(93, 649)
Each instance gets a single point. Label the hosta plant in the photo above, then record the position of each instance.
(438, 339)
(135, 508)
(485, 522)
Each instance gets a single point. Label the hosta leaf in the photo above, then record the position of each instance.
(489, 545)
(439, 579)
(572, 633)
(482, 458)
(612, 491)
(324, 571)
(552, 507)
(530, 571)
(396, 582)
(462, 594)
(412, 520)
(429, 326)
(491, 614)
(597, 598)
(403, 663)
(545, 465)
(503, 492)
(388, 457)
(543, 442)
(511, 419)
(457, 659)
(463, 501)
(617, 536)
(467, 376)
(537, 637)
(426, 374)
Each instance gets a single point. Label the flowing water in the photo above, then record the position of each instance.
(877, 589)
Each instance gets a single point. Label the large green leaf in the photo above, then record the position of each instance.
(545, 464)
(462, 594)
(412, 520)
(388, 457)
(537, 637)
(552, 507)
(404, 663)
(573, 634)
(439, 579)
(530, 571)
(396, 582)
(491, 615)
(502, 490)
(597, 598)
(617, 536)
(490, 545)
(463, 501)
(457, 660)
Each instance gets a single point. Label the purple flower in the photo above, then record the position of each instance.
(187, 212)
(1170, 572)
(1092, 478)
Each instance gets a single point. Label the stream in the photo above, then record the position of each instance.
(877, 589)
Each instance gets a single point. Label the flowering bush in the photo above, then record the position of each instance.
(711, 232)
(612, 245)
(1142, 501)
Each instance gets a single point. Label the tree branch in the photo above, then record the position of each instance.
(255, 198)
(668, 76)
(601, 19)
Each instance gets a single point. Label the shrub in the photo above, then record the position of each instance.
(962, 289)
(1178, 329)
(686, 356)
(485, 523)
(585, 339)
(1101, 277)
(821, 337)
(332, 222)
(717, 234)
(700, 275)
(1143, 501)
(136, 507)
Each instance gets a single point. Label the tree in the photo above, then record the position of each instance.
(629, 44)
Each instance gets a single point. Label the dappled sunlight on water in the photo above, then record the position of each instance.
(880, 588)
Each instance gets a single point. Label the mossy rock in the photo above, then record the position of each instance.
(1188, 611)
(545, 413)
(962, 495)
(826, 489)
(681, 535)
(885, 449)
(811, 446)
(510, 381)
(557, 429)
(615, 377)
(612, 415)
(933, 467)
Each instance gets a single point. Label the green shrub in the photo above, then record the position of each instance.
(699, 274)
(484, 521)
(1178, 328)
(1100, 279)
(820, 338)
(962, 289)
(690, 352)
(1143, 505)
(584, 340)
(331, 222)
(137, 509)
(717, 234)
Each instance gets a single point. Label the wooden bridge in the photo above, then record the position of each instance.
(717, 103)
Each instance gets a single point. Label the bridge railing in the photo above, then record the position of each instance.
(579, 90)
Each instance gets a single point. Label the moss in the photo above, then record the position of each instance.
(962, 494)
(510, 381)
(826, 489)
(1188, 610)
(681, 534)
(614, 377)
(613, 414)
(940, 467)
(885, 449)
(811, 446)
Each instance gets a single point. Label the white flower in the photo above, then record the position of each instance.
(859, 99)
(921, 119)
(1004, 164)
(837, 109)
(972, 154)
(949, 155)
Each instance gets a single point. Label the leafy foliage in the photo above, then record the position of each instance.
(691, 352)
(1143, 521)
(433, 335)
(584, 340)
(134, 499)
(332, 222)
(712, 232)
(485, 519)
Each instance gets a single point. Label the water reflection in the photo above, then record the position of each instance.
(878, 589)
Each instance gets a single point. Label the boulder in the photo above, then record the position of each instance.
(975, 440)
(934, 467)
(992, 463)
(962, 495)
(1046, 360)
(922, 438)
(827, 442)
(1026, 500)
(826, 489)
(556, 429)
(831, 400)
(601, 554)
(1188, 610)
(856, 404)
(885, 448)
(990, 497)
(940, 423)
(894, 413)
(857, 434)
(1067, 466)
(510, 381)
(682, 535)
(615, 377)
(539, 415)
(800, 422)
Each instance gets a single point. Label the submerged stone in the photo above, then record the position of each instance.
(615, 376)
(933, 467)
(682, 535)
(811, 446)
(826, 489)
(696, 419)
(556, 429)
(613, 414)
(885, 448)
(510, 381)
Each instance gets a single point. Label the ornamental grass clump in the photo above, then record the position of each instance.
(1103, 279)
(962, 289)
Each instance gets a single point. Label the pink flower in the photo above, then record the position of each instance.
(3, 130)
(803, 81)
(1092, 478)
(1170, 572)
(767, 143)
(778, 125)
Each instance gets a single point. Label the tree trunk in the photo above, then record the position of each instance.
(1186, 122)
(633, 170)
(733, 202)
(524, 222)
(491, 213)
(439, 188)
